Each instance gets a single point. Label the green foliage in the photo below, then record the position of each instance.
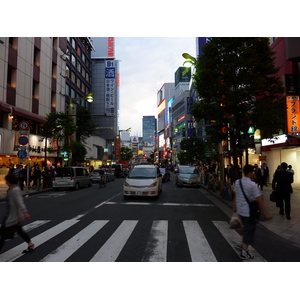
(85, 125)
(193, 149)
(236, 80)
(78, 153)
(125, 154)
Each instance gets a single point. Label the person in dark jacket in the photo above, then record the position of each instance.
(282, 185)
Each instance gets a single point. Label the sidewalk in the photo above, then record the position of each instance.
(25, 192)
(288, 229)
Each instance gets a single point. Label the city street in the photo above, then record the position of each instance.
(97, 224)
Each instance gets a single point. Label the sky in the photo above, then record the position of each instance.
(146, 64)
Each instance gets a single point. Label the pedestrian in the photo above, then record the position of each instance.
(241, 207)
(262, 175)
(16, 213)
(282, 184)
(290, 169)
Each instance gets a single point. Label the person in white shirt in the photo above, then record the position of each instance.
(241, 206)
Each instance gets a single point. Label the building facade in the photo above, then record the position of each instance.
(32, 85)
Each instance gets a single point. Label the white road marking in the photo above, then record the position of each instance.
(111, 249)
(73, 244)
(198, 244)
(232, 237)
(163, 204)
(16, 252)
(156, 249)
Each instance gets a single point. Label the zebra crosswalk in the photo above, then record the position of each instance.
(156, 247)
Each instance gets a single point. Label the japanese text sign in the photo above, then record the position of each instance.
(293, 114)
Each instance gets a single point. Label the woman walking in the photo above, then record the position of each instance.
(16, 212)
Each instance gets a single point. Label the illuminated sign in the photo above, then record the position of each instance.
(110, 47)
(117, 147)
(110, 82)
(181, 118)
(161, 107)
(293, 114)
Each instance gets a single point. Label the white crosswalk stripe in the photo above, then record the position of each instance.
(156, 243)
(16, 252)
(156, 249)
(68, 248)
(198, 244)
(112, 248)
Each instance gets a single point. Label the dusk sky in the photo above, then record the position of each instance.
(146, 64)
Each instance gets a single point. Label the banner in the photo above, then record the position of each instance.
(293, 114)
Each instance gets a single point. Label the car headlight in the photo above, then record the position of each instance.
(153, 184)
(127, 184)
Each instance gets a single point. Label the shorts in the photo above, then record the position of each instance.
(248, 231)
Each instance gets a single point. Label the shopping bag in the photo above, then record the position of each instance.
(235, 221)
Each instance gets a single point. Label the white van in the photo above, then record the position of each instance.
(71, 177)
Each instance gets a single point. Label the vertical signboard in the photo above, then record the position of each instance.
(293, 114)
(110, 87)
(118, 147)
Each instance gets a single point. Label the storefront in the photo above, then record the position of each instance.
(278, 151)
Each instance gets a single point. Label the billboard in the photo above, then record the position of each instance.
(293, 115)
(110, 87)
(182, 75)
(104, 47)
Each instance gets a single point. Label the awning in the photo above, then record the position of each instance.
(28, 115)
(5, 107)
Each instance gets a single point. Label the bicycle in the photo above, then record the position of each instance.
(102, 182)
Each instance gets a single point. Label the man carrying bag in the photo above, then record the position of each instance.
(246, 192)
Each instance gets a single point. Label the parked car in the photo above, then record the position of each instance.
(118, 170)
(109, 175)
(143, 180)
(71, 177)
(166, 176)
(96, 175)
(187, 176)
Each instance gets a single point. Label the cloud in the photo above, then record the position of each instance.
(146, 64)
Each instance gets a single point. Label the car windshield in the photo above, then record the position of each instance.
(142, 173)
(64, 172)
(188, 170)
(162, 170)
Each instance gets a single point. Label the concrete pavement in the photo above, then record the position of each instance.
(288, 229)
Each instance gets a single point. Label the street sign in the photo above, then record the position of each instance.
(23, 140)
(24, 125)
(22, 154)
(262, 158)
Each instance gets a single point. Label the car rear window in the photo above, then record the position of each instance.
(64, 172)
(142, 173)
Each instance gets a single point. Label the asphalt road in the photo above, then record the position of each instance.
(97, 224)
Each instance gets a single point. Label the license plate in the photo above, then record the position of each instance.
(62, 182)
(139, 193)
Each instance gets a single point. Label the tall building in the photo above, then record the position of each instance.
(149, 130)
(78, 70)
(32, 84)
(106, 83)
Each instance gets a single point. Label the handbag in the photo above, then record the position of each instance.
(253, 205)
(235, 222)
(273, 196)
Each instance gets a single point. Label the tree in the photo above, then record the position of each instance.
(237, 83)
(78, 152)
(85, 125)
(126, 154)
(193, 150)
(61, 126)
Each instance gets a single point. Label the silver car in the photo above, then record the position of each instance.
(188, 176)
(71, 177)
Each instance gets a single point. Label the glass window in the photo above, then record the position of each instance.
(73, 43)
(67, 71)
(72, 77)
(73, 59)
(78, 66)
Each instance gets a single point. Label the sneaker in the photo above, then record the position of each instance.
(246, 255)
